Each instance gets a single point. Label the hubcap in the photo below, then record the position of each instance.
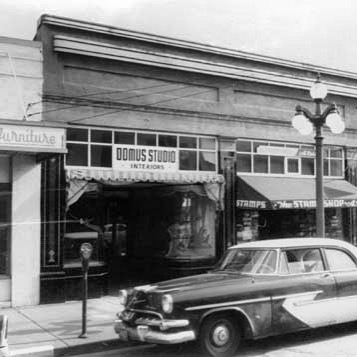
(220, 335)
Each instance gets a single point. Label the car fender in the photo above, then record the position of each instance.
(251, 328)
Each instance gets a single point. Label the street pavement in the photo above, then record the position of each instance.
(53, 330)
(335, 341)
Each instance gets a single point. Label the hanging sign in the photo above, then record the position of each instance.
(32, 138)
(145, 158)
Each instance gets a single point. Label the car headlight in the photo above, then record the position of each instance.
(123, 297)
(167, 304)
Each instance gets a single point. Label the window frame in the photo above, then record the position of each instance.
(198, 150)
(307, 151)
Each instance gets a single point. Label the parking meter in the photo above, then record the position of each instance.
(85, 251)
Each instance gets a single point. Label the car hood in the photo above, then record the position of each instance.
(198, 282)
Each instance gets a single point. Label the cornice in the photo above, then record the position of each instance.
(158, 58)
(191, 45)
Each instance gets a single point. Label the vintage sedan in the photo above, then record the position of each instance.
(258, 289)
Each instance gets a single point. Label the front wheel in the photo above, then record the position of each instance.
(220, 336)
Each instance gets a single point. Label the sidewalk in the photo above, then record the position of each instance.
(53, 329)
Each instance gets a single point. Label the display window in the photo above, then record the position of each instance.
(269, 224)
(5, 216)
(175, 222)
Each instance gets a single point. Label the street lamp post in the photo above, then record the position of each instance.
(304, 121)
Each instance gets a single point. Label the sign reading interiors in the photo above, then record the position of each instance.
(148, 158)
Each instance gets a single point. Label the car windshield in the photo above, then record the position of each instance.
(250, 261)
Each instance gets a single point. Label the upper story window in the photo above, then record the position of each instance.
(96, 148)
(276, 158)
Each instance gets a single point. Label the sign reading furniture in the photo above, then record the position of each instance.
(31, 138)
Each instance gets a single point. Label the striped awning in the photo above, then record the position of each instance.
(143, 176)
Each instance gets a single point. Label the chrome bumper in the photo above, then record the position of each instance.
(145, 333)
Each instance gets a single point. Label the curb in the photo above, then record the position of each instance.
(91, 347)
(35, 351)
(50, 351)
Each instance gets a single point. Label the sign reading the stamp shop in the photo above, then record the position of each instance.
(32, 138)
(147, 158)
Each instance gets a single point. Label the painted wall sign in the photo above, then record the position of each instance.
(151, 158)
(287, 152)
(277, 150)
(294, 204)
(252, 204)
(32, 138)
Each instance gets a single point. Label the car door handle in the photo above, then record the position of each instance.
(325, 275)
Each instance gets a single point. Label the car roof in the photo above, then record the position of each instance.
(296, 242)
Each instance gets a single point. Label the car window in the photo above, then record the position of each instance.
(298, 261)
(339, 260)
(249, 261)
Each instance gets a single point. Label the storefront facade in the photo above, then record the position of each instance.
(171, 145)
(23, 144)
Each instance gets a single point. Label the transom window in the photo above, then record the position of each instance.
(276, 158)
(94, 147)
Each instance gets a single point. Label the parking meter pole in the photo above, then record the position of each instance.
(85, 251)
(84, 305)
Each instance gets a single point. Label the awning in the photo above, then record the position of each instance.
(143, 176)
(264, 192)
(86, 180)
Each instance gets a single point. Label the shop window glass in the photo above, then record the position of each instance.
(77, 134)
(101, 156)
(188, 142)
(207, 143)
(307, 166)
(146, 139)
(101, 136)
(124, 137)
(188, 160)
(207, 161)
(243, 146)
(292, 166)
(336, 168)
(5, 228)
(326, 167)
(339, 260)
(77, 155)
(257, 144)
(84, 225)
(261, 163)
(244, 163)
(336, 152)
(277, 164)
(4, 169)
(168, 141)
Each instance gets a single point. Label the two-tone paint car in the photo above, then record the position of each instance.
(258, 289)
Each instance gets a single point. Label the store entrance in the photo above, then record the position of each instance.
(143, 232)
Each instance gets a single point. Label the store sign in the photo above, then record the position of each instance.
(295, 204)
(311, 204)
(277, 150)
(145, 158)
(32, 138)
(287, 152)
(251, 204)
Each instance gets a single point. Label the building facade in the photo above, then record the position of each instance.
(175, 151)
(24, 142)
